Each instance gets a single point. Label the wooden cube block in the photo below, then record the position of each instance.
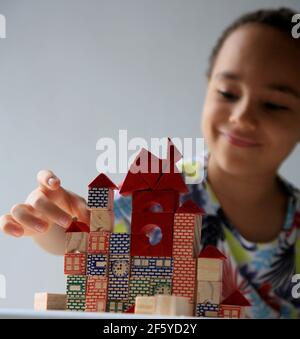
(101, 197)
(98, 242)
(209, 292)
(173, 305)
(75, 263)
(145, 305)
(209, 269)
(76, 305)
(76, 242)
(95, 304)
(49, 301)
(101, 220)
(76, 286)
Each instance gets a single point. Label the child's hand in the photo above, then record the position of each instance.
(49, 203)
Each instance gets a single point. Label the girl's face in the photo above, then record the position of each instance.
(251, 117)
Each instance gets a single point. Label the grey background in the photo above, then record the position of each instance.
(72, 71)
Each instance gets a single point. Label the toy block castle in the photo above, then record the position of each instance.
(158, 267)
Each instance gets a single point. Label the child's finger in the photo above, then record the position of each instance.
(79, 207)
(49, 210)
(25, 215)
(9, 226)
(47, 179)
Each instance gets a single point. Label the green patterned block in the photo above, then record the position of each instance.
(116, 306)
(76, 305)
(139, 286)
(76, 286)
(161, 286)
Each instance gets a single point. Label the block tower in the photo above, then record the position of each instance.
(209, 282)
(155, 186)
(100, 203)
(75, 260)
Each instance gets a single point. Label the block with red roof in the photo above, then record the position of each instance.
(209, 281)
(234, 306)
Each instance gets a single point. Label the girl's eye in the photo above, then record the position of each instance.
(228, 95)
(275, 107)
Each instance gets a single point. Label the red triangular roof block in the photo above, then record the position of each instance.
(102, 180)
(173, 152)
(190, 207)
(172, 181)
(236, 299)
(133, 182)
(149, 166)
(211, 252)
(78, 226)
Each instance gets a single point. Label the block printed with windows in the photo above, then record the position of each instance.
(155, 267)
(75, 263)
(98, 242)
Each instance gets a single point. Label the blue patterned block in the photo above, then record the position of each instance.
(98, 197)
(119, 266)
(118, 288)
(119, 244)
(97, 264)
(206, 307)
(155, 267)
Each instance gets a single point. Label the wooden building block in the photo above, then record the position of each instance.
(95, 304)
(119, 244)
(101, 197)
(97, 285)
(101, 220)
(76, 242)
(186, 235)
(139, 286)
(98, 242)
(209, 292)
(75, 263)
(49, 301)
(184, 278)
(76, 286)
(97, 264)
(154, 267)
(207, 310)
(231, 312)
(145, 305)
(161, 286)
(173, 305)
(76, 305)
(209, 269)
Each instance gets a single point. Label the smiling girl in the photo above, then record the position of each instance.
(251, 123)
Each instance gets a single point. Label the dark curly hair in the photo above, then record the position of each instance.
(280, 19)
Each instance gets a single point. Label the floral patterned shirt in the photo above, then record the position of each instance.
(261, 271)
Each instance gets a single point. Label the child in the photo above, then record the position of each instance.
(251, 123)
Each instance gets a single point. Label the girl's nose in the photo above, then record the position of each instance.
(243, 115)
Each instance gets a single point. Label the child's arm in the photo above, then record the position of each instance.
(46, 213)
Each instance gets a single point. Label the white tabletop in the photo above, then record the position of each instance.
(30, 314)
